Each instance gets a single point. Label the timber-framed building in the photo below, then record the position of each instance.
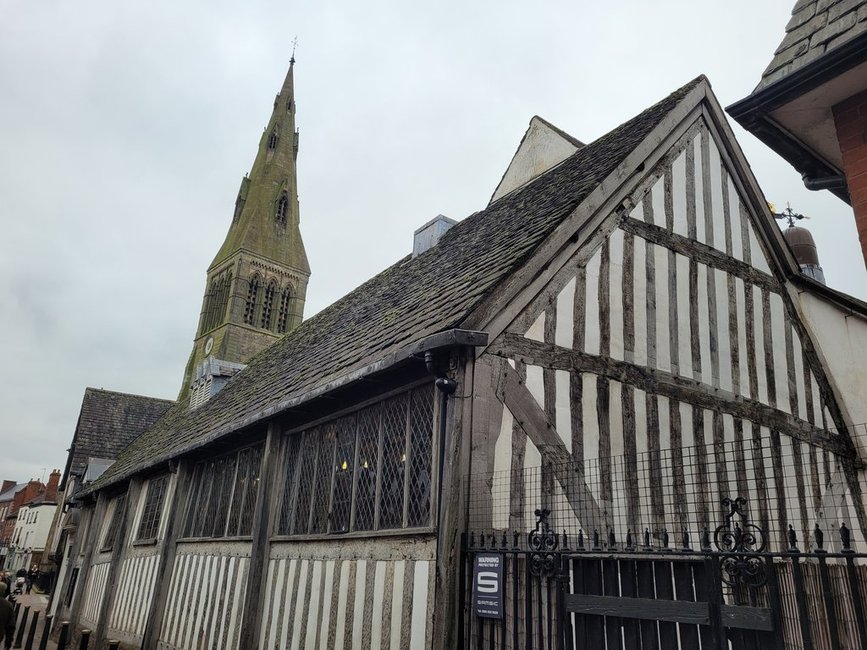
(622, 337)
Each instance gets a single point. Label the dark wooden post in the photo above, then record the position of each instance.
(46, 632)
(175, 514)
(31, 635)
(90, 543)
(64, 636)
(19, 638)
(251, 621)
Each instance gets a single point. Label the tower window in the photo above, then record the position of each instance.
(282, 209)
(252, 301)
(272, 140)
(289, 104)
(283, 314)
(267, 305)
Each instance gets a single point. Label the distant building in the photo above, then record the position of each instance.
(7, 495)
(32, 527)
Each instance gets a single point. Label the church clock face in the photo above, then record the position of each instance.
(209, 345)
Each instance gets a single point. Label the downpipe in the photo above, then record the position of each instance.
(447, 388)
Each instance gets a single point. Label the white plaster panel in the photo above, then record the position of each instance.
(723, 337)
(758, 316)
(591, 425)
(781, 365)
(678, 190)
(536, 383)
(537, 329)
(757, 253)
(704, 332)
(562, 409)
(700, 234)
(615, 294)
(735, 220)
(657, 201)
(799, 373)
(591, 304)
(716, 187)
(565, 327)
(637, 212)
(501, 480)
(743, 367)
(663, 329)
(684, 351)
(639, 303)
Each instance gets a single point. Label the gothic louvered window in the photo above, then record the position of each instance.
(282, 209)
(352, 474)
(268, 305)
(149, 525)
(216, 302)
(223, 495)
(112, 533)
(283, 313)
(252, 303)
(272, 140)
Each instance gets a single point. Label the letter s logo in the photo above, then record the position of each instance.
(486, 582)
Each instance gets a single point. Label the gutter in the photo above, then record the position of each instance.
(452, 338)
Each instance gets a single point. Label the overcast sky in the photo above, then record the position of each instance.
(125, 128)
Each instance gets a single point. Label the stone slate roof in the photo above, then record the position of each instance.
(9, 494)
(414, 298)
(108, 423)
(816, 27)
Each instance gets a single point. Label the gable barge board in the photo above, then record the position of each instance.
(667, 385)
(505, 302)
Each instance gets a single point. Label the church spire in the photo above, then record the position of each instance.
(257, 282)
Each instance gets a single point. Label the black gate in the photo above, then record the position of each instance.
(546, 591)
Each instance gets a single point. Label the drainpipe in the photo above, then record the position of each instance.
(816, 183)
(446, 387)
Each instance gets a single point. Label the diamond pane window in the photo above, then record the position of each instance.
(113, 531)
(391, 487)
(420, 430)
(344, 464)
(149, 525)
(368, 471)
(322, 495)
(366, 468)
(306, 478)
(223, 495)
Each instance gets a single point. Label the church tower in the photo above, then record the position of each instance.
(257, 283)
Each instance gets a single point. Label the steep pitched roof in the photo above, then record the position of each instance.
(108, 423)
(816, 27)
(9, 493)
(414, 298)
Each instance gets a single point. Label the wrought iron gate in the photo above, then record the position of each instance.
(556, 593)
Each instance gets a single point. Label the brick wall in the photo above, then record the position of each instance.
(850, 118)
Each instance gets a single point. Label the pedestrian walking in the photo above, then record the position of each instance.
(7, 618)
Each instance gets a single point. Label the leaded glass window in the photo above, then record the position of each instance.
(282, 209)
(223, 495)
(283, 314)
(149, 525)
(113, 531)
(268, 305)
(368, 471)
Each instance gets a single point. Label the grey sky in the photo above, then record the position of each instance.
(125, 129)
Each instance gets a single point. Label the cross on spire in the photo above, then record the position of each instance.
(294, 45)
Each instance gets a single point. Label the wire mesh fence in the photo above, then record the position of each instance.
(793, 487)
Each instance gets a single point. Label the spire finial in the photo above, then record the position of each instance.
(294, 45)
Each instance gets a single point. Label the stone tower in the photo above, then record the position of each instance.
(257, 283)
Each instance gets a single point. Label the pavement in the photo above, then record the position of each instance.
(37, 604)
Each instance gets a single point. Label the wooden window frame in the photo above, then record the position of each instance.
(110, 537)
(285, 510)
(150, 522)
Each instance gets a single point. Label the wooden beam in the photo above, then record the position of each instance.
(532, 419)
(668, 385)
(700, 253)
(654, 609)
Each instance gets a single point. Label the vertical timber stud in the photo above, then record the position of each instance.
(251, 621)
(89, 544)
(450, 508)
(174, 520)
(117, 554)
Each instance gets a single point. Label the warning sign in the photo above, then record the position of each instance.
(488, 585)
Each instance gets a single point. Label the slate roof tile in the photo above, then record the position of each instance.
(815, 27)
(108, 423)
(412, 299)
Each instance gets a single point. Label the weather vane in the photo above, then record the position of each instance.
(788, 214)
(294, 45)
